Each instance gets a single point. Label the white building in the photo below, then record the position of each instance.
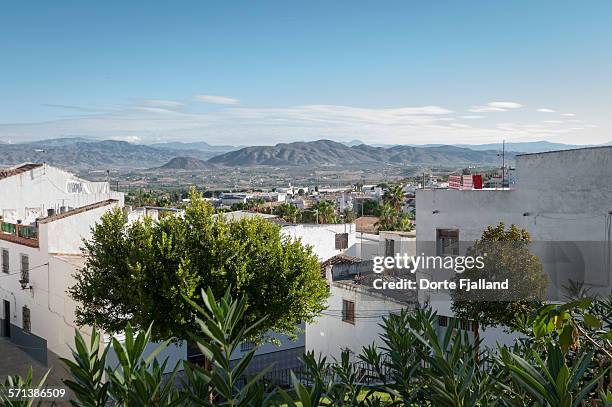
(47, 213)
(562, 198)
(355, 310)
(344, 202)
(234, 198)
(31, 191)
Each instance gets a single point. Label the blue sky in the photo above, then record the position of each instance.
(275, 71)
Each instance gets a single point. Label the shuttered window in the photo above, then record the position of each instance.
(25, 268)
(5, 261)
(27, 324)
(348, 311)
(389, 248)
(341, 241)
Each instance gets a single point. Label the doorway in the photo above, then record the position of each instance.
(7, 319)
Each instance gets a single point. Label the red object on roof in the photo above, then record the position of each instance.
(477, 181)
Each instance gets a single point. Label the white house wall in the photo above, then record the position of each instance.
(28, 195)
(329, 335)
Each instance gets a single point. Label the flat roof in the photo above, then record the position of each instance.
(76, 211)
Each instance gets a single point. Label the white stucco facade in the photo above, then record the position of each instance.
(30, 194)
(563, 199)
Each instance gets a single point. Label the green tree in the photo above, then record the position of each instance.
(392, 219)
(371, 207)
(348, 215)
(325, 210)
(256, 204)
(506, 255)
(288, 212)
(394, 196)
(141, 272)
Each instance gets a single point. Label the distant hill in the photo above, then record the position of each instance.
(91, 154)
(186, 163)
(326, 152)
(85, 154)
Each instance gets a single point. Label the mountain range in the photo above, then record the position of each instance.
(88, 154)
(84, 153)
(327, 152)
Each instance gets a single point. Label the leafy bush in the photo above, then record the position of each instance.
(413, 367)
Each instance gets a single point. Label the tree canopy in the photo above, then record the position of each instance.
(144, 272)
(506, 255)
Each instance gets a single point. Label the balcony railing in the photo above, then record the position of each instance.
(23, 234)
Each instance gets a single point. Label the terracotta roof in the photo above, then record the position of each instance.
(341, 259)
(9, 172)
(366, 224)
(76, 211)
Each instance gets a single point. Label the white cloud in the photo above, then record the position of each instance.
(545, 110)
(156, 110)
(163, 103)
(216, 100)
(568, 114)
(495, 107)
(552, 121)
(230, 124)
(505, 105)
(486, 109)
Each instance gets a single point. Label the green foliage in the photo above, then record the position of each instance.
(394, 197)
(288, 212)
(142, 272)
(87, 370)
(15, 382)
(348, 215)
(391, 218)
(325, 211)
(222, 328)
(551, 382)
(138, 380)
(416, 366)
(506, 255)
(370, 207)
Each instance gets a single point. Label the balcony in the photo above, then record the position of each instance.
(26, 235)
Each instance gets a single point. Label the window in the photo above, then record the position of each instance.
(465, 325)
(341, 241)
(27, 324)
(348, 311)
(246, 346)
(389, 247)
(442, 320)
(5, 261)
(25, 269)
(447, 242)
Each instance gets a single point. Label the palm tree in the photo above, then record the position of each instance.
(288, 212)
(387, 218)
(394, 196)
(326, 211)
(348, 215)
(256, 204)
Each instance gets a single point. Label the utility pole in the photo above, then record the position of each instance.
(503, 162)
